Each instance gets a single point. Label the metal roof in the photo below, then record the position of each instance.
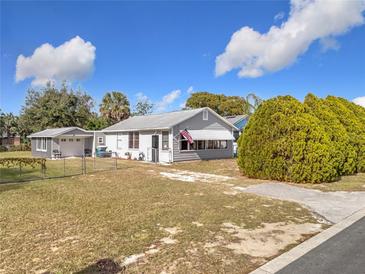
(155, 121)
(235, 118)
(54, 132)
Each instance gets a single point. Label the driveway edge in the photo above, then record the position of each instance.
(288, 257)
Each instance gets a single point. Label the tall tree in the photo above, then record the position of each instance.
(114, 107)
(8, 124)
(220, 103)
(52, 107)
(143, 107)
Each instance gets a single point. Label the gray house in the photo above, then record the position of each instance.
(159, 138)
(168, 137)
(65, 142)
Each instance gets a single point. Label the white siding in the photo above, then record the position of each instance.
(145, 144)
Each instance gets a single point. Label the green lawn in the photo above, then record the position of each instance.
(66, 225)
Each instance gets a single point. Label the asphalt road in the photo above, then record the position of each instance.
(344, 253)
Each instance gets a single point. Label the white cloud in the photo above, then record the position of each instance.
(182, 105)
(359, 101)
(168, 99)
(142, 97)
(279, 16)
(309, 20)
(190, 90)
(73, 60)
(328, 43)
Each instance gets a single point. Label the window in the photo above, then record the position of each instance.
(119, 140)
(200, 144)
(70, 140)
(216, 144)
(41, 144)
(63, 140)
(100, 140)
(223, 144)
(205, 114)
(133, 141)
(165, 140)
(78, 140)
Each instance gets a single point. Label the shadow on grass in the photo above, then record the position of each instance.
(7, 187)
(103, 266)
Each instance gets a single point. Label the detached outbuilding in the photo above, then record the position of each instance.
(65, 142)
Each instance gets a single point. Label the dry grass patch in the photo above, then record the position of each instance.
(137, 219)
(229, 167)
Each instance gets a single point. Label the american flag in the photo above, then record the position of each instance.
(187, 136)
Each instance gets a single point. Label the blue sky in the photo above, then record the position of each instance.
(164, 48)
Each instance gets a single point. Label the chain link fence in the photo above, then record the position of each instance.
(57, 168)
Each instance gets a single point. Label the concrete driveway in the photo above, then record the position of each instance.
(334, 206)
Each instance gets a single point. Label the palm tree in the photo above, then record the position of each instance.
(114, 107)
(252, 103)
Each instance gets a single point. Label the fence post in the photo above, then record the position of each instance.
(20, 169)
(83, 165)
(43, 171)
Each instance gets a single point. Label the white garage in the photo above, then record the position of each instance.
(72, 146)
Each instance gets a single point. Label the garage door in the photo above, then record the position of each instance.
(72, 146)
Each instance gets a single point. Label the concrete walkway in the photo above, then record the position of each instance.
(334, 206)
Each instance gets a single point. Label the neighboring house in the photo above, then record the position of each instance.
(7, 141)
(239, 121)
(157, 137)
(154, 138)
(65, 142)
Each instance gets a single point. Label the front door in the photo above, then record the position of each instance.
(155, 148)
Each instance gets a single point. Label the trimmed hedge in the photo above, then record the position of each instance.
(302, 142)
(17, 162)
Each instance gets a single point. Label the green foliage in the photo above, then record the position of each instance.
(343, 153)
(114, 107)
(222, 104)
(52, 107)
(96, 123)
(8, 124)
(305, 143)
(143, 107)
(22, 162)
(21, 147)
(3, 148)
(353, 119)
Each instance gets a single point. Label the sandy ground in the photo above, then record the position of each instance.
(190, 176)
(334, 206)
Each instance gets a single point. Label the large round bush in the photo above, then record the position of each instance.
(282, 141)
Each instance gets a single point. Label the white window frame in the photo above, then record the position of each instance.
(119, 140)
(164, 134)
(134, 135)
(205, 115)
(41, 144)
(102, 140)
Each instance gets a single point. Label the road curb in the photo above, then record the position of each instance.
(286, 258)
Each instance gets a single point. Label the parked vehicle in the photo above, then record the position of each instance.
(101, 151)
